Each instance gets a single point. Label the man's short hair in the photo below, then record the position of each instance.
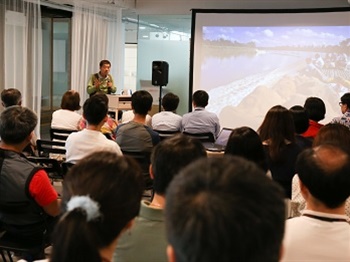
(345, 99)
(95, 108)
(224, 209)
(141, 102)
(16, 124)
(200, 98)
(105, 62)
(170, 156)
(170, 102)
(325, 171)
(11, 97)
(315, 108)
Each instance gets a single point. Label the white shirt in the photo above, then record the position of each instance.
(166, 121)
(82, 143)
(65, 119)
(129, 115)
(311, 239)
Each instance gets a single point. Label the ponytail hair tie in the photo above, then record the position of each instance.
(85, 203)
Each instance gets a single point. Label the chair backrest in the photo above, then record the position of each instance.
(60, 134)
(66, 166)
(47, 147)
(144, 160)
(163, 134)
(204, 137)
(50, 165)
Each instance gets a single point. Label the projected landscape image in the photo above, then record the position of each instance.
(246, 70)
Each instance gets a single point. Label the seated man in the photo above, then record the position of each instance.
(345, 109)
(147, 239)
(13, 97)
(322, 233)
(90, 139)
(135, 136)
(200, 120)
(168, 120)
(28, 202)
(224, 209)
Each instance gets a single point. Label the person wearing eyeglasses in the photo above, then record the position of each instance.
(345, 109)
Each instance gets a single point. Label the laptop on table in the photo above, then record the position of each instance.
(221, 141)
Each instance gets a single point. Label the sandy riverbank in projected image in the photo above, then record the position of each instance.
(244, 102)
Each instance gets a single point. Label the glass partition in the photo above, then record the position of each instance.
(165, 38)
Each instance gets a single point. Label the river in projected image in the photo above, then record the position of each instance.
(232, 81)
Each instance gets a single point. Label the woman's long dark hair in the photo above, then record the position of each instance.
(116, 184)
(277, 129)
(245, 142)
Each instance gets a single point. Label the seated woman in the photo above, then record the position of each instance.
(245, 142)
(301, 124)
(278, 135)
(66, 117)
(101, 197)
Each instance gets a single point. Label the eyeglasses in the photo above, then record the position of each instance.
(340, 103)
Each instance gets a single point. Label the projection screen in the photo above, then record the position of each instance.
(251, 60)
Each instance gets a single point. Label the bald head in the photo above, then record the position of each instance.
(325, 171)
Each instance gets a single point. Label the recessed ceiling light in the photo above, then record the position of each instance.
(145, 36)
(142, 27)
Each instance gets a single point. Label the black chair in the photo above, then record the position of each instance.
(50, 165)
(163, 134)
(60, 134)
(47, 147)
(203, 137)
(66, 166)
(144, 160)
(8, 247)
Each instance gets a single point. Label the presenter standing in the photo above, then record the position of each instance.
(102, 81)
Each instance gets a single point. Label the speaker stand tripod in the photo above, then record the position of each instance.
(160, 98)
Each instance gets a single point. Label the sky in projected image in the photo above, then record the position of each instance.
(277, 36)
(249, 69)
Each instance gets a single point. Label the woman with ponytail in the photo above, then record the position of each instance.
(101, 197)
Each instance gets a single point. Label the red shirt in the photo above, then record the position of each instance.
(41, 189)
(313, 129)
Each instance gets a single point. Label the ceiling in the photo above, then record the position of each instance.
(175, 15)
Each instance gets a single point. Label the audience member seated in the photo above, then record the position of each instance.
(278, 136)
(246, 143)
(90, 139)
(129, 115)
(168, 120)
(322, 233)
(135, 136)
(200, 120)
(101, 197)
(109, 127)
(333, 134)
(13, 97)
(66, 117)
(316, 111)
(345, 109)
(146, 240)
(28, 202)
(224, 209)
(301, 124)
